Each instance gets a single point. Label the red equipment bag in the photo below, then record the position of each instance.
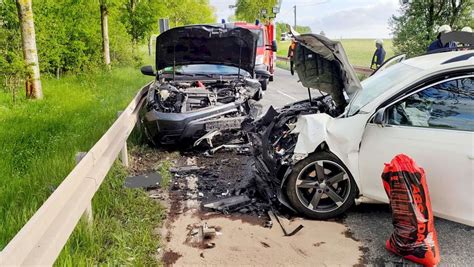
(414, 235)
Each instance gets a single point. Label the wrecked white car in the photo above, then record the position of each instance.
(321, 154)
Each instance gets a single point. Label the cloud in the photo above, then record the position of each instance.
(346, 19)
(370, 21)
(222, 8)
(337, 18)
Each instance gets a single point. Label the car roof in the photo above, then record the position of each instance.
(427, 65)
(440, 61)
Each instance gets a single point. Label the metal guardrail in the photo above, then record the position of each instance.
(358, 69)
(42, 238)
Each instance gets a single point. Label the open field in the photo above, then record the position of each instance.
(359, 51)
(38, 142)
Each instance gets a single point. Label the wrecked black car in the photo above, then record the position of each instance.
(205, 81)
(321, 64)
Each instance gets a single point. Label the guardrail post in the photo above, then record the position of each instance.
(124, 152)
(88, 211)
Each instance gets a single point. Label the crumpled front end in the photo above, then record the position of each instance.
(178, 113)
(274, 140)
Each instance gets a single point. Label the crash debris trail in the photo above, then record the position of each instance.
(225, 183)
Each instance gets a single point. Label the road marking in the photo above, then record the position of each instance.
(289, 96)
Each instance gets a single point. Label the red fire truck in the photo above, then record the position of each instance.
(266, 49)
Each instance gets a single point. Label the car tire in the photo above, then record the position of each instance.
(306, 190)
(264, 84)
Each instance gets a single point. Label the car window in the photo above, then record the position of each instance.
(376, 85)
(260, 36)
(447, 105)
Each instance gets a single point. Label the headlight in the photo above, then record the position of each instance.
(164, 94)
(259, 59)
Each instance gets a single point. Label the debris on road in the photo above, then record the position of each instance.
(219, 187)
(200, 236)
(208, 137)
(275, 216)
(184, 169)
(240, 148)
(229, 204)
(147, 181)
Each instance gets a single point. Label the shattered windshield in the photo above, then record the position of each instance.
(376, 85)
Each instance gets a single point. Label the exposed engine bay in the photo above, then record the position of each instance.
(182, 96)
(182, 111)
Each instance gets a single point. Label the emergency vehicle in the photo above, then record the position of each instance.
(266, 49)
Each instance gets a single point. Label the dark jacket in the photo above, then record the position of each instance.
(378, 58)
(436, 44)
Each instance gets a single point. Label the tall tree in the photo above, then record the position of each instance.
(416, 27)
(184, 12)
(249, 10)
(104, 25)
(30, 54)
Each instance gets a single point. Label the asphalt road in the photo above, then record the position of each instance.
(285, 89)
(371, 223)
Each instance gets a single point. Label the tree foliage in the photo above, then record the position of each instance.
(184, 12)
(68, 32)
(416, 27)
(249, 10)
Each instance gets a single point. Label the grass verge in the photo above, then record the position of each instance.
(359, 51)
(38, 141)
(123, 232)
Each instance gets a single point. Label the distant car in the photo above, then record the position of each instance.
(284, 36)
(320, 155)
(204, 82)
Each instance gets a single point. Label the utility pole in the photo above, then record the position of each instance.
(294, 13)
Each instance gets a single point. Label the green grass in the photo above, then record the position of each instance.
(123, 228)
(359, 51)
(38, 142)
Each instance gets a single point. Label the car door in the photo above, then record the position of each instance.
(434, 126)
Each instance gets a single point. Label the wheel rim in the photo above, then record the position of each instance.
(323, 186)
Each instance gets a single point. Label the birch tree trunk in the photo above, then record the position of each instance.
(104, 21)
(30, 54)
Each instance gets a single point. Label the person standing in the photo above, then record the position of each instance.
(291, 55)
(437, 44)
(379, 55)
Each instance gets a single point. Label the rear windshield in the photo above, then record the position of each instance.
(260, 36)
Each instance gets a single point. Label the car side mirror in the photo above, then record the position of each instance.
(273, 47)
(263, 73)
(147, 70)
(379, 117)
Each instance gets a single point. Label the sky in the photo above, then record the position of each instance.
(337, 18)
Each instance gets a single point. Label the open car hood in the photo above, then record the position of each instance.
(322, 64)
(206, 44)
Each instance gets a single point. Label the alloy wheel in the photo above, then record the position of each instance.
(323, 186)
